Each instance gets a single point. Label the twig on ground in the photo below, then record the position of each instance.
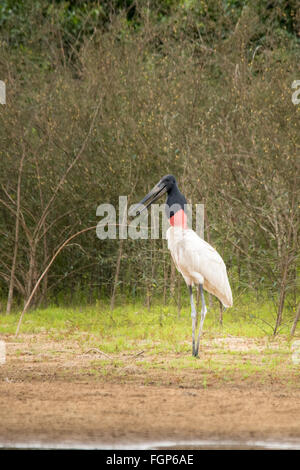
(98, 351)
(138, 354)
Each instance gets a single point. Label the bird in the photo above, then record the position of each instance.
(198, 262)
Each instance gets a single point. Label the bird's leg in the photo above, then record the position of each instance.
(221, 313)
(194, 318)
(203, 313)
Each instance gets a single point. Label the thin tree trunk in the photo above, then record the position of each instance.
(238, 254)
(90, 295)
(172, 279)
(123, 222)
(297, 317)
(284, 277)
(165, 281)
(281, 299)
(45, 281)
(31, 271)
(150, 282)
(113, 297)
(208, 240)
(14, 261)
(148, 297)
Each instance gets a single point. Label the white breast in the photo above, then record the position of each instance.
(199, 263)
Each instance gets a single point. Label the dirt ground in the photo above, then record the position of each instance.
(61, 394)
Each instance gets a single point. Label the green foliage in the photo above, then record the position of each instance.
(136, 341)
(161, 328)
(198, 89)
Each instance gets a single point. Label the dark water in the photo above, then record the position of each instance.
(210, 444)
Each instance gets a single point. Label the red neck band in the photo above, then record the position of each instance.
(179, 219)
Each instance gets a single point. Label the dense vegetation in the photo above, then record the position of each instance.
(103, 99)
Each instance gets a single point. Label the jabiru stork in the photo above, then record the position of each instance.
(198, 262)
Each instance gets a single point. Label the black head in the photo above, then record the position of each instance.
(168, 181)
(165, 185)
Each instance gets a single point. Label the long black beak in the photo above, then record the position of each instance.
(155, 193)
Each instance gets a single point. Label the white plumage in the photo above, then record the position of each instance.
(199, 263)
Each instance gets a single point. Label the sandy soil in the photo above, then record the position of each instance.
(64, 395)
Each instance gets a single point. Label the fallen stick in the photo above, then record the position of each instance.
(98, 351)
(138, 354)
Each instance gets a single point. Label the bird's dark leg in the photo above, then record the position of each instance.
(221, 313)
(203, 313)
(194, 318)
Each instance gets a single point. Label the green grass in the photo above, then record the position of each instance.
(160, 326)
(165, 340)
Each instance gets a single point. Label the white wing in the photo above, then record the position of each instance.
(199, 262)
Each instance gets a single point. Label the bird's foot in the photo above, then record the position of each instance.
(195, 349)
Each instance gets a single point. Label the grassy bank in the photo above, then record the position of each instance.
(133, 321)
(131, 341)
